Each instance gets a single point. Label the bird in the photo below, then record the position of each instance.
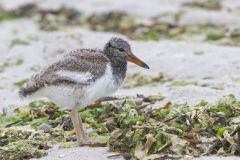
(81, 77)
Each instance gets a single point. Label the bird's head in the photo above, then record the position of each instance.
(120, 49)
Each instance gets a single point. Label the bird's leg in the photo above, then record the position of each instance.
(77, 124)
(82, 139)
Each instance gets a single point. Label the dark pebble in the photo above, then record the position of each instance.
(67, 124)
(45, 127)
(71, 138)
(127, 155)
(3, 142)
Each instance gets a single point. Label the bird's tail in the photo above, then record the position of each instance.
(27, 90)
(23, 92)
(32, 86)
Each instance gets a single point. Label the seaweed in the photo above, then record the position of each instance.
(18, 42)
(21, 83)
(137, 80)
(205, 4)
(191, 129)
(137, 28)
(184, 83)
(174, 130)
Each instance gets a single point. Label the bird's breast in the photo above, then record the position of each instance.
(104, 86)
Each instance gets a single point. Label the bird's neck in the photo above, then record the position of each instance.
(119, 67)
(119, 70)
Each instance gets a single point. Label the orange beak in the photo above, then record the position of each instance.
(132, 58)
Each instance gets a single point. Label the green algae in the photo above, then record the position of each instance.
(104, 138)
(174, 129)
(22, 150)
(184, 83)
(178, 123)
(68, 145)
(8, 120)
(151, 35)
(21, 83)
(9, 63)
(19, 62)
(4, 66)
(26, 10)
(198, 53)
(18, 41)
(35, 123)
(6, 16)
(215, 35)
(137, 80)
(206, 4)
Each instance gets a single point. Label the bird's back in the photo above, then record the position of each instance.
(69, 78)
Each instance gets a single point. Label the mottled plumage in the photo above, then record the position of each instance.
(81, 77)
(80, 61)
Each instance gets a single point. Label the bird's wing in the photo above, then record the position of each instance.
(80, 67)
(76, 68)
(82, 78)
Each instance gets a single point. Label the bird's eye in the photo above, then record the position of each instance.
(121, 49)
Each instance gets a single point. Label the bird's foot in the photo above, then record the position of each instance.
(92, 143)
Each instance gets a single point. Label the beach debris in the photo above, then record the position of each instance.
(172, 130)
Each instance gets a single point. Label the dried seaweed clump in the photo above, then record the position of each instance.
(205, 4)
(137, 28)
(174, 131)
(137, 79)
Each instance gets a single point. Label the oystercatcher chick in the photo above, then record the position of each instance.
(81, 77)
